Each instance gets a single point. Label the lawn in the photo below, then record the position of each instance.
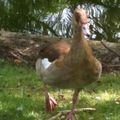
(21, 96)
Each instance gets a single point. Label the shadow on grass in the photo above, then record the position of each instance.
(12, 114)
(16, 108)
(107, 110)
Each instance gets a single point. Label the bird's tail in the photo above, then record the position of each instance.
(40, 69)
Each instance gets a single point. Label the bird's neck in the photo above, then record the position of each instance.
(78, 34)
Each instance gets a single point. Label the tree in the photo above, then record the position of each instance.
(54, 17)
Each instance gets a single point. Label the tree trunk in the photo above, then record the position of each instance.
(25, 48)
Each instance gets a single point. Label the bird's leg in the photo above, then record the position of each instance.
(70, 115)
(50, 102)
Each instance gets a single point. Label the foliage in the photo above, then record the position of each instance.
(53, 17)
(21, 96)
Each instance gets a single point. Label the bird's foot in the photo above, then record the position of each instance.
(70, 116)
(51, 103)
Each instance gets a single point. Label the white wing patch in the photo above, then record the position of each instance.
(46, 63)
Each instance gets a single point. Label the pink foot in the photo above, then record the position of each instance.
(70, 116)
(50, 103)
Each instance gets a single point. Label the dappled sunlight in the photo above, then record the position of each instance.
(26, 100)
(33, 114)
(1, 105)
(106, 96)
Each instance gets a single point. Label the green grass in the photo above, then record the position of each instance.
(21, 96)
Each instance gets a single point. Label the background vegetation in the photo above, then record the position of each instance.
(53, 17)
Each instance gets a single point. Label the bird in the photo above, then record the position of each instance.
(53, 50)
(76, 69)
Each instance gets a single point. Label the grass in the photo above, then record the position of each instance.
(21, 96)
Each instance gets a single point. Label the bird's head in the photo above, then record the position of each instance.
(81, 20)
(81, 16)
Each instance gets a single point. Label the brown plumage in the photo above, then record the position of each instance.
(75, 69)
(54, 50)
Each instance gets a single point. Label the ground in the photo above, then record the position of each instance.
(21, 96)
